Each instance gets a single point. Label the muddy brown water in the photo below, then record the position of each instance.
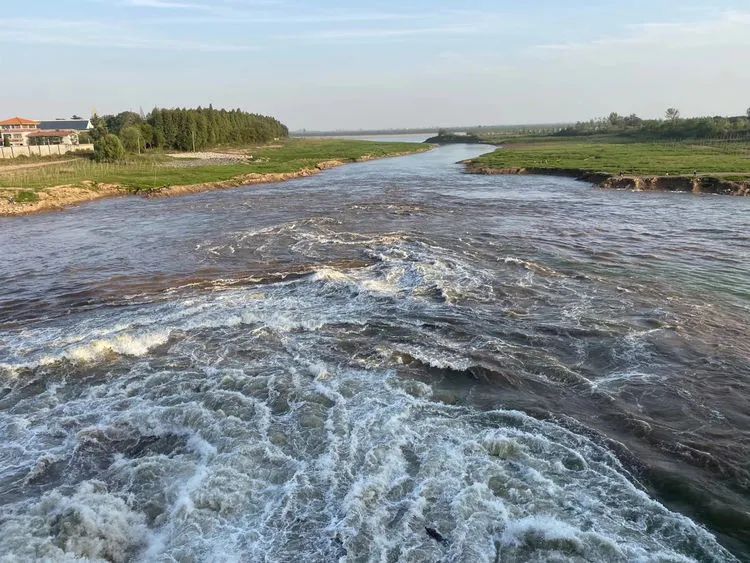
(363, 362)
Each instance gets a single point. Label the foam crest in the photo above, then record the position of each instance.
(126, 344)
(90, 524)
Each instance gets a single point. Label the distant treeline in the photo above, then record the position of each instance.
(673, 127)
(187, 129)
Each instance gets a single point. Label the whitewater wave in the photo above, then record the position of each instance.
(335, 463)
(88, 524)
(401, 272)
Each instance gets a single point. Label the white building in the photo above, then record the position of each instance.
(20, 132)
(15, 131)
(54, 137)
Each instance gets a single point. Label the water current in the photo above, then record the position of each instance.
(390, 361)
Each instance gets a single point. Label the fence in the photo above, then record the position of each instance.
(42, 150)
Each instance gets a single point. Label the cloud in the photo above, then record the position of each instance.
(698, 66)
(729, 27)
(87, 33)
(244, 18)
(379, 33)
(215, 7)
(166, 4)
(276, 11)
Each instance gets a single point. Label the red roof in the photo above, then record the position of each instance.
(55, 133)
(18, 121)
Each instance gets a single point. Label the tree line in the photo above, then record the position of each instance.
(672, 127)
(180, 129)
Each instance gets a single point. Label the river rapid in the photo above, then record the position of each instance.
(390, 361)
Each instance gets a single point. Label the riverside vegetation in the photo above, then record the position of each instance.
(187, 129)
(700, 154)
(248, 149)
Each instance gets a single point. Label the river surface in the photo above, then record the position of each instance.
(390, 361)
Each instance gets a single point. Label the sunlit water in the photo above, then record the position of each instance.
(391, 361)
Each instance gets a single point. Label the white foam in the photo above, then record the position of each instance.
(91, 524)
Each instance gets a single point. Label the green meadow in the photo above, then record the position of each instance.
(641, 159)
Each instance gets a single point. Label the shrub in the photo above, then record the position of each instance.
(26, 197)
(109, 149)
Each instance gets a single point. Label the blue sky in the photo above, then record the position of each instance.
(336, 64)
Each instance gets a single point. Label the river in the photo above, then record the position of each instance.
(390, 361)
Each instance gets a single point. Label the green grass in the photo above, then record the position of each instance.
(646, 159)
(153, 171)
(45, 159)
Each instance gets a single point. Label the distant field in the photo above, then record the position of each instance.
(155, 171)
(653, 159)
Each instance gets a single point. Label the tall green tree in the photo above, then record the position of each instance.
(116, 123)
(109, 149)
(132, 139)
(99, 128)
(672, 114)
(615, 119)
(200, 128)
(147, 134)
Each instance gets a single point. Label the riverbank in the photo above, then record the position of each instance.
(634, 166)
(57, 187)
(694, 184)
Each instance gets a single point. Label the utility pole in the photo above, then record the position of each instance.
(193, 131)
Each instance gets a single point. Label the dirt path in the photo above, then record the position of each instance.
(14, 167)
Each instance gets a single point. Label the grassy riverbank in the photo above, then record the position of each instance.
(34, 189)
(629, 158)
(702, 167)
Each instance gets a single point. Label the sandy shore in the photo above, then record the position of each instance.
(59, 197)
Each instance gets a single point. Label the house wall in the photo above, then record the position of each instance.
(64, 140)
(42, 150)
(18, 137)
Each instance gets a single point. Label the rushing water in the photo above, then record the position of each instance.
(391, 361)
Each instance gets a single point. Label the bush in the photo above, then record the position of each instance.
(26, 197)
(109, 149)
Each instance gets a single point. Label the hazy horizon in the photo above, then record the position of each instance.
(338, 66)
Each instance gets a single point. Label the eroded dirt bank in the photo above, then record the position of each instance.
(58, 197)
(695, 184)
